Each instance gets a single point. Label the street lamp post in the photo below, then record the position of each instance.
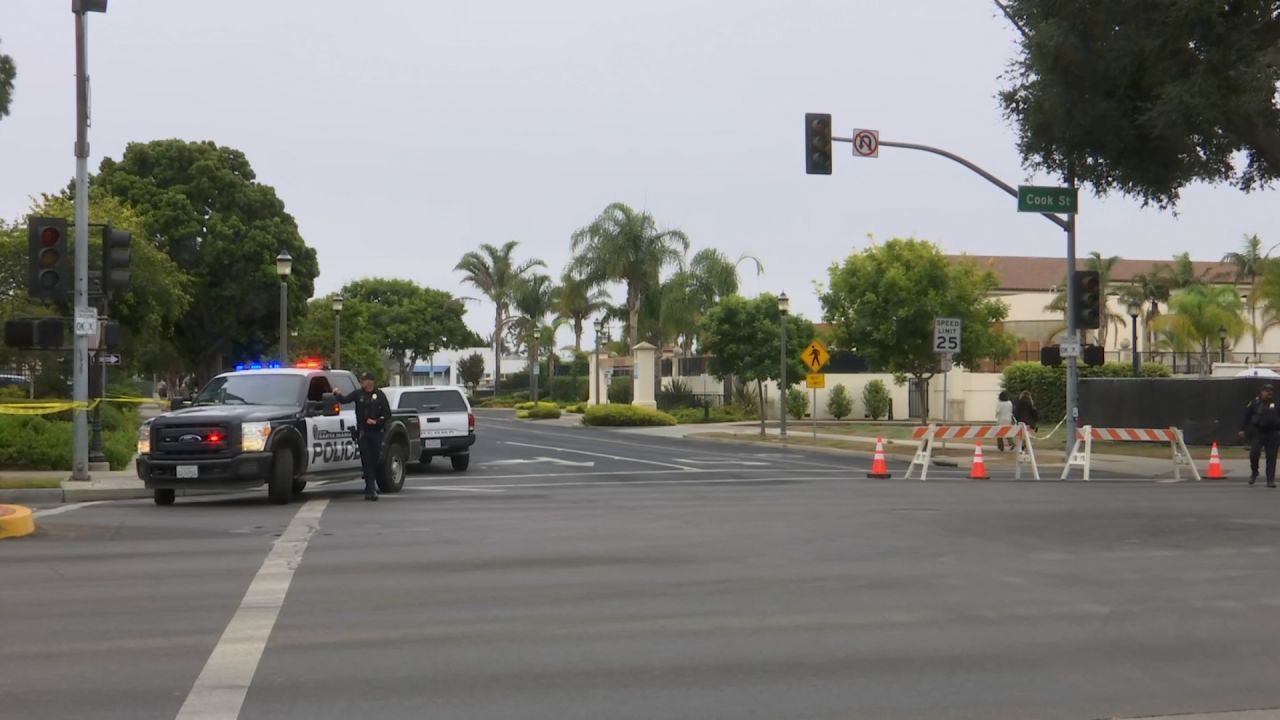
(1222, 344)
(1135, 309)
(784, 304)
(337, 330)
(599, 370)
(284, 266)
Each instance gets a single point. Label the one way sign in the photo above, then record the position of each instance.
(109, 358)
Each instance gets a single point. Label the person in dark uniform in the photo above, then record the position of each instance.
(1262, 428)
(372, 415)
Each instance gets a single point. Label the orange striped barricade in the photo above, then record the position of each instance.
(927, 437)
(1082, 451)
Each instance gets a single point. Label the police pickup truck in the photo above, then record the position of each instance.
(277, 427)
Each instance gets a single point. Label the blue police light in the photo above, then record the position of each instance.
(239, 367)
(274, 365)
(255, 366)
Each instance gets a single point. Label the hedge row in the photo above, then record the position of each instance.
(625, 416)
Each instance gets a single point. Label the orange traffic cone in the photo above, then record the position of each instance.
(979, 471)
(1215, 465)
(879, 466)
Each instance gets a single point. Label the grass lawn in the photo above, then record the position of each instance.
(29, 483)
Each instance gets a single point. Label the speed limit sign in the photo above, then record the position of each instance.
(946, 335)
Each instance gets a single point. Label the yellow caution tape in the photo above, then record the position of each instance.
(44, 408)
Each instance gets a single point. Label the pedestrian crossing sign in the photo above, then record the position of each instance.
(815, 356)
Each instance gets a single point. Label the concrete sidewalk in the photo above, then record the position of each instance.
(107, 485)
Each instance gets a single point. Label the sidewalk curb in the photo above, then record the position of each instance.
(818, 448)
(59, 496)
(16, 521)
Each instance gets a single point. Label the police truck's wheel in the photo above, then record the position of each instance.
(165, 496)
(280, 484)
(393, 468)
(460, 462)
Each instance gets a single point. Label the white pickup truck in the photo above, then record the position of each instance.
(448, 425)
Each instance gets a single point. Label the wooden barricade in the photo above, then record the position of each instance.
(1082, 451)
(927, 437)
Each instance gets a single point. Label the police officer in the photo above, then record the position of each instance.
(1262, 428)
(372, 415)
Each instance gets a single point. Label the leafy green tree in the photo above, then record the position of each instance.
(1249, 263)
(1198, 313)
(1105, 267)
(578, 300)
(471, 370)
(495, 272)
(1146, 98)
(883, 302)
(202, 204)
(409, 322)
(8, 72)
(839, 404)
(626, 246)
(361, 351)
(745, 340)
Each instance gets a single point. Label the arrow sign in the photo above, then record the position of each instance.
(109, 358)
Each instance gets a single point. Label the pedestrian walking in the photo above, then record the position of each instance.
(1261, 427)
(162, 390)
(1025, 412)
(372, 415)
(1004, 416)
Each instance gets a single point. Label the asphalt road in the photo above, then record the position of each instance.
(575, 573)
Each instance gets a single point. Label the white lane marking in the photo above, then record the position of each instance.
(692, 461)
(219, 691)
(607, 483)
(459, 488)
(554, 461)
(602, 455)
(66, 508)
(782, 457)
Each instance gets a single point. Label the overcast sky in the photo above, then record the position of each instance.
(401, 134)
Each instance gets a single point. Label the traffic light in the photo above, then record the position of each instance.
(1094, 355)
(111, 335)
(48, 333)
(20, 333)
(115, 259)
(817, 143)
(1051, 356)
(1088, 299)
(48, 262)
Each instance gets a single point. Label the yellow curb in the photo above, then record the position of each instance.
(16, 521)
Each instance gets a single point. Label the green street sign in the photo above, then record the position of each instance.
(1047, 199)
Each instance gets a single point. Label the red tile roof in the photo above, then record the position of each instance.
(1039, 274)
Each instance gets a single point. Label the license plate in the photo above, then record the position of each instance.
(430, 443)
(188, 471)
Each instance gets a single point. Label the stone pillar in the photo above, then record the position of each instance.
(591, 382)
(646, 358)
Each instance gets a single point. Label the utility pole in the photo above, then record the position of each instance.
(80, 344)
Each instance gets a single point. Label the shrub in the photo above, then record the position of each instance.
(576, 408)
(875, 398)
(746, 399)
(620, 390)
(522, 415)
(540, 405)
(544, 413)
(625, 416)
(839, 404)
(677, 394)
(569, 389)
(797, 403)
(9, 393)
(34, 442)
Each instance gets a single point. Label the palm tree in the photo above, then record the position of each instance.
(1249, 263)
(626, 246)
(494, 272)
(690, 294)
(579, 299)
(1104, 267)
(535, 298)
(1198, 313)
(1182, 274)
(1149, 290)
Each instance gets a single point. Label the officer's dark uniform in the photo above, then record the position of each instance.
(1262, 428)
(370, 405)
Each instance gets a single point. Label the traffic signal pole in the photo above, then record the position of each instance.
(80, 346)
(1068, 224)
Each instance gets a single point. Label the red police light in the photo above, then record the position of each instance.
(49, 236)
(309, 364)
(214, 438)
